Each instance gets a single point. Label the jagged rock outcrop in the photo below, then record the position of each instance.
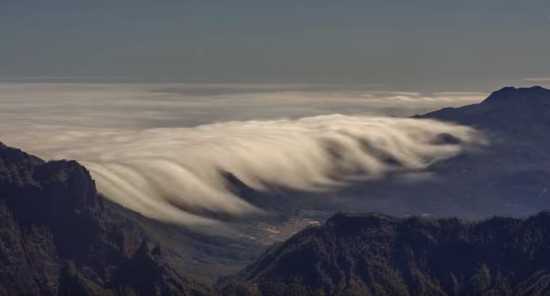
(57, 238)
(375, 254)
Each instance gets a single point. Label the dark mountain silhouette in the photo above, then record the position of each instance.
(507, 110)
(58, 237)
(374, 254)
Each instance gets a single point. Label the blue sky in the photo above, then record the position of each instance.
(420, 45)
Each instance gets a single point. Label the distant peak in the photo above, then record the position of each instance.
(513, 94)
(522, 89)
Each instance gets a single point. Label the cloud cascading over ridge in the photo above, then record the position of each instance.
(165, 150)
(174, 174)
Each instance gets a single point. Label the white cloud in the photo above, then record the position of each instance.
(172, 174)
(161, 149)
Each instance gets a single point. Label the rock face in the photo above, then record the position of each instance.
(380, 255)
(58, 238)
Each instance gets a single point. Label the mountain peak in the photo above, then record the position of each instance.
(512, 94)
(511, 109)
(59, 238)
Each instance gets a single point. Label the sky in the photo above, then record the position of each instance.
(425, 45)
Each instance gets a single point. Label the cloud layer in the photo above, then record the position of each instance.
(164, 150)
(175, 174)
(141, 106)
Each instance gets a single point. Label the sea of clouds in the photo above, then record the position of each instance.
(165, 150)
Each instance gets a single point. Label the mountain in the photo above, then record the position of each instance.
(510, 176)
(58, 236)
(508, 110)
(373, 254)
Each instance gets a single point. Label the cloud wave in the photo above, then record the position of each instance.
(176, 174)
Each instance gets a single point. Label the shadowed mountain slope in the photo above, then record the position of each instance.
(57, 237)
(375, 254)
(510, 176)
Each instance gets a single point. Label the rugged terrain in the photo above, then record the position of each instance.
(58, 237)
(374, 254)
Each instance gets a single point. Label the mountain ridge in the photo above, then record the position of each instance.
(57, 237)
(505, 109)
(376, 254)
